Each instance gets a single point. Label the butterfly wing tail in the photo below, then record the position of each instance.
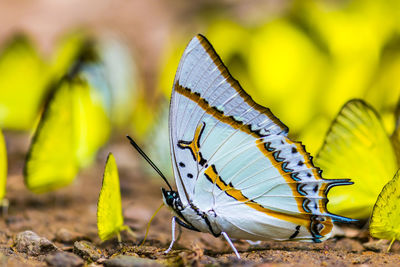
(338, 182)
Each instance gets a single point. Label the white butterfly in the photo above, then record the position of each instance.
(237, 172)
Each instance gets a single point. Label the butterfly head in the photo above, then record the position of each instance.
(172, 199)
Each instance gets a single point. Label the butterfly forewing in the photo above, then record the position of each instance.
(203, 86)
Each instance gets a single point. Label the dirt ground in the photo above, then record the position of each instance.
(73, 209)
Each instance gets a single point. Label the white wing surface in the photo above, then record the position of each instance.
(232, 156)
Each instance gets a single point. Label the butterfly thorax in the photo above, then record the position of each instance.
(190, 215)
(172, 200)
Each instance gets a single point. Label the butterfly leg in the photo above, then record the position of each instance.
(179, 232)
(231, 244)
(173, 236)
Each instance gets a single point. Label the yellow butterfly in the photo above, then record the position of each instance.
(357, 147)
(385, 220)
(19, 56)
(51, 161)
(74, 125)
(23, 79)
(110, 221)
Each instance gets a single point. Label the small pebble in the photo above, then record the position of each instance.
(376, 245)
(30, 243)
(129, 261)
(69, 237)
(63, 259)
(87, 251)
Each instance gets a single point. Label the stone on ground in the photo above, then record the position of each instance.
(30, 243)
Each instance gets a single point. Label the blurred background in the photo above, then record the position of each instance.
(302, 59)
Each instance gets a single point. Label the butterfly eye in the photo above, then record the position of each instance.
(169, 199)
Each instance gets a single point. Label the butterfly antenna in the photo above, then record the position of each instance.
(133, 143)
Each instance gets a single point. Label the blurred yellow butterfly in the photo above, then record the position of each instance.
(23, 80)
(74, 125)
(357, 147)
(20, 56)
(385, 220)
(51, 160)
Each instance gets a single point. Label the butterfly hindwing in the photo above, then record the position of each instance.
(385, 219)
(357, 147)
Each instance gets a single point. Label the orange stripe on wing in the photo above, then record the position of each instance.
(214, 111)
(306, 220)
(247, 129)
(217, 114)
(235, 84)
(212, 175)
(194, 145)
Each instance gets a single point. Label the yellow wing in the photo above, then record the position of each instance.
(109, 209)
(3, 166)
(357, 147)
(23, 84)
(385, 220)
(395, 138)
(51, 162)
(74, 126)
(91, 122)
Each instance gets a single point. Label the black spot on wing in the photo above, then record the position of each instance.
(202, 161)
(315, 189)
(296, 232)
